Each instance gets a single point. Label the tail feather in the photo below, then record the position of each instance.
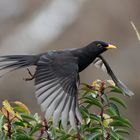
(29, 58)
(14, 62)
(13, 65)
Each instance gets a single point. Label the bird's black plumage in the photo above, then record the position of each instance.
(87, 54)
(57, 78)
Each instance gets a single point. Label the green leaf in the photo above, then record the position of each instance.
(105, 98)
(20, 107)
(19, 124)
(95, 117)
(37, 117)
(119, 123)
(2, 136)
(29, 117)
(23, 137)
(1, 121)
(114, 109)
(115, 89)
(87, 89)
(114, 135)
(94, 129)
(36, 128)
(121, 137)
(41, 139)
(123, 120)
(88, 120)
(83, 127)
(64, 137)
(20, 131)
(95, 135)
(84, 111)
(121, 131)
(119, 101)
(93, 101)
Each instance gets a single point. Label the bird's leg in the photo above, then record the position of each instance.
(32, 76)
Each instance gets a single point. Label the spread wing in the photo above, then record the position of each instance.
(56, 85)
(101, 63)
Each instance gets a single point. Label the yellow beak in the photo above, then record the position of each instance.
(111, 47)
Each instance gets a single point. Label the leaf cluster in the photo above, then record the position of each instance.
(100, 105)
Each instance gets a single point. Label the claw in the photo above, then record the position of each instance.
(32, 76)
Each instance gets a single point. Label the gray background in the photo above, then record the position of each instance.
(98, 20)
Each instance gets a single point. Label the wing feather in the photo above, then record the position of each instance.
(65, 113)
(72, 114)
(101, 63)
(56, 89)
(78, 114)
(51, 108)
(58, 110)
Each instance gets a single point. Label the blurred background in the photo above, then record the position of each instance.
(35, 26)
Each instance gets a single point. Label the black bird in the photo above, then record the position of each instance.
(57, 78)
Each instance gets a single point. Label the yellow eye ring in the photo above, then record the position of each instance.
(99, 45)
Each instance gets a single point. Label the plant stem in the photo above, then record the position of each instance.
(102, 101)
(46, 127)
(9, 125)
(108, 136)
(78, 136)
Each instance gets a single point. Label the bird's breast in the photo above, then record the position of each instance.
(84, 62)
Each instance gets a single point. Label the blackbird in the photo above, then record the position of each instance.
(57, 78)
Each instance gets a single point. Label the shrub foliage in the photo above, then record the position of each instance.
(100, 105)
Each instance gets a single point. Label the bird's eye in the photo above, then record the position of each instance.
(99, 45)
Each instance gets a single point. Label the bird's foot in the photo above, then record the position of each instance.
(32, 76)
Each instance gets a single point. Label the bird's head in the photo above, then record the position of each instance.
(101, 46)
(97, 47)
